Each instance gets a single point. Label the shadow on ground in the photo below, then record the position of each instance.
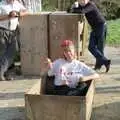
(9, 112)
(108, 89)
(107, 112)
(7, 96)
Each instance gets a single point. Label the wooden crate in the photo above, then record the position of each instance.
(40, 106)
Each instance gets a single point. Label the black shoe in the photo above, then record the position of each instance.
(107, 65)
(97, 67)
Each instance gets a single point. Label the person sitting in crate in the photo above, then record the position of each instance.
(70, 74)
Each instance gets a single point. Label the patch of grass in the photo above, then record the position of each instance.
(113, 36)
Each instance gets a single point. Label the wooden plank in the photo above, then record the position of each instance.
(89, 100)
(55, 107)
(62, 26)
(34, 44)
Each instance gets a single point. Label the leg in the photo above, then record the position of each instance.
(100, 46)
(17, 57)
(101, 39)
(80, 90)
(8, 57)
(3, 46)
(61, 90)
(98, 65)
(93, 49)
(96, 46)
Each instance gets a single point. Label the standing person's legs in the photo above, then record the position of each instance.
(100, 34)
(93, 49)
(93, 46)
(3, 46)
(98, 54)
(8, 57)
(2, 42)
(101, 39)
(17, 55)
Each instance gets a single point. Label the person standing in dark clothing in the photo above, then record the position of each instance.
(98, 33)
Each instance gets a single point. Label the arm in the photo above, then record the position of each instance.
(14, 14)
(85, 78)
(87, 8)
(23, 10)
(82, 9)
(87, 73)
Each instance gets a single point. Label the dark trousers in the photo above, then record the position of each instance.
(80, 90)
(97, 43)
(8, 48)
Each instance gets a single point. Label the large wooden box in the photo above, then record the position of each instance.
(40, 106)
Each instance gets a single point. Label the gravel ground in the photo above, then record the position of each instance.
(106, 101)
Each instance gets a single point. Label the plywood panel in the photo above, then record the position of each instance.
(62, 26)
(34, 44)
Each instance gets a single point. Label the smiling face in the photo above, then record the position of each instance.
(69, 52)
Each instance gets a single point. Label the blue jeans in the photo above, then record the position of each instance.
(97, 43)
